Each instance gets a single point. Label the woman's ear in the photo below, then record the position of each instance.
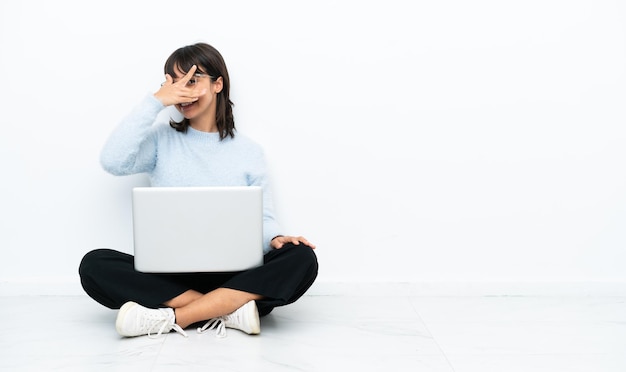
(218, 84)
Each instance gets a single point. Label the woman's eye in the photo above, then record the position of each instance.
(191, 82)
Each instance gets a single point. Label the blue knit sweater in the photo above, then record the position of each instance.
(171, 158)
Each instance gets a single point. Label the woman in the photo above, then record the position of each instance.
(203, 149)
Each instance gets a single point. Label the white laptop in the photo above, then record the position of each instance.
(197, 229)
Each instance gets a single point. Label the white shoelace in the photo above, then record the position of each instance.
(163, 322)
(219, 324)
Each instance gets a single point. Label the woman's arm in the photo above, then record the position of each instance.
(130, 148)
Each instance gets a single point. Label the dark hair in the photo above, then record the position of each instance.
(208, 60)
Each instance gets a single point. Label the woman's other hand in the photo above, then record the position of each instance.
(279, 241)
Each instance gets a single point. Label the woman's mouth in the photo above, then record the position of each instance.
(186, 106)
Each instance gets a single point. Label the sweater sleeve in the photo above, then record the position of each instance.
(260, 177)
(131, 147)
(271, 228)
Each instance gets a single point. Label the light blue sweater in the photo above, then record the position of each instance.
(171, 158)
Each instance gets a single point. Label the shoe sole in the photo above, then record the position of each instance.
(121, 315)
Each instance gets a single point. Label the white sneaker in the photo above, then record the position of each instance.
(136, 320)
(245, 319)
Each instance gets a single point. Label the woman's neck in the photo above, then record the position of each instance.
(204, 126)
(204, 123)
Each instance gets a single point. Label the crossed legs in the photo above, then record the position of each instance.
(192, 306)
(109, 277)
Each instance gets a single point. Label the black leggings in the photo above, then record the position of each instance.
(110, 278)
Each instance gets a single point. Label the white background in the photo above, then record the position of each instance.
(412, 141)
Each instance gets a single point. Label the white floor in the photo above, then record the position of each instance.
(332, 333)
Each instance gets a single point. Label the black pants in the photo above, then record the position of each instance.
(110, 278)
